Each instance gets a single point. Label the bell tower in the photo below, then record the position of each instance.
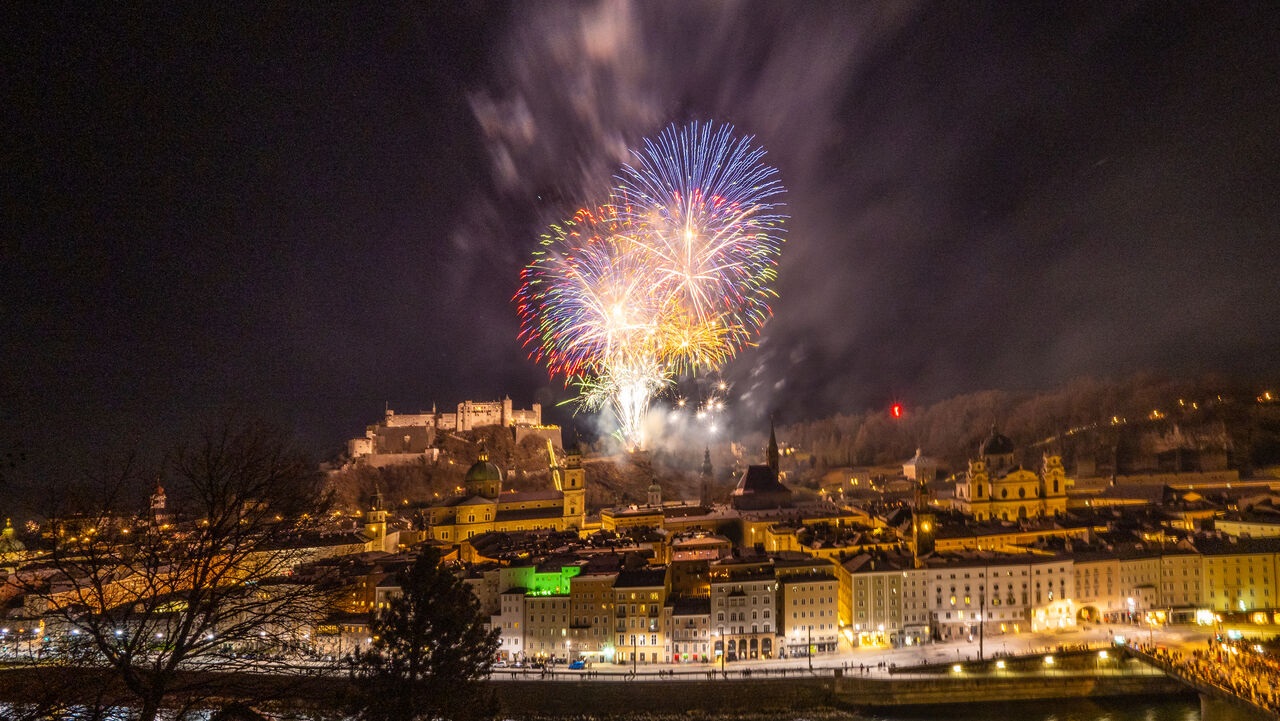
(375, 521)
(575, 481)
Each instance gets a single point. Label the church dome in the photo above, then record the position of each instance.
(9, 542)
(482, 470)
(996, 444)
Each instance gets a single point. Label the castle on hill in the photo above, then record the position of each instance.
(404, 437)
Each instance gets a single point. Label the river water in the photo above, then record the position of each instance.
(1122, 709)
(1186, 708)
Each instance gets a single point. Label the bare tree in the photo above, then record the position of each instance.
(154, 596)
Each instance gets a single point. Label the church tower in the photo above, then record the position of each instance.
(975, 491)
(704, 479)
(375, 521)
(575, 477)
(655, 494)
(159, 515)
(923, 523)
(773, 458)
(1053, 485)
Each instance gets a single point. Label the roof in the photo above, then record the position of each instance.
(685, 511)
(996, 444)
(714, 541)
(759, 480)
(482, 470)
(691, 607)
(647, 578)
(520, 514)
(463, 501)
(547, 494)
(1236, 546)
(919, 459)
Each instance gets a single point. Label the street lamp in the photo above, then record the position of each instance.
(809, 649)
(982, 612)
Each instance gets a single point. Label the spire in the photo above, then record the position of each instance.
(157, 497)
(484, 453)
(771, 453)
(706, 462)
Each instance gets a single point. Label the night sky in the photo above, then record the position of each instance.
(308, 212)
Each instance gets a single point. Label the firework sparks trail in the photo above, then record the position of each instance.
(670, 277)
(708, 205)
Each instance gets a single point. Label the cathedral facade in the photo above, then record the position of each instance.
(995, 489)
(483, 507)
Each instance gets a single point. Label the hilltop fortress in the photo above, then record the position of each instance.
(404, 437)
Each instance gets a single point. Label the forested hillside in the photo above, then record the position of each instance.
(1141, 424)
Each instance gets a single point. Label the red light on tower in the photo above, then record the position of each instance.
(895, 410)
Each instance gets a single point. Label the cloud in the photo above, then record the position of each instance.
(953, 176)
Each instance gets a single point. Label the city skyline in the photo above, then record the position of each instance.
(313, 212)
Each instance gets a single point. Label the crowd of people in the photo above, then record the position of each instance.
(1240, 668)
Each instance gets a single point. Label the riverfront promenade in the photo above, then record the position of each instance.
(1079, 674)
(734, 691)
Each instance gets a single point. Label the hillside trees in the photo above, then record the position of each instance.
(143, 595)
(1100, 420)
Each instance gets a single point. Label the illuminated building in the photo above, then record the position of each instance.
(406, 437)
(483, 507)
(638, 600)
(995, 488)
(744, 605)
(807, 618)
(591, 622)
(759, 487)
(688, 623)
(1240, 573)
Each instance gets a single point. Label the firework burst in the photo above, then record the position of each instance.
(670, 277)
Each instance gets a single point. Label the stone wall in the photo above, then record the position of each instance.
(603, 698)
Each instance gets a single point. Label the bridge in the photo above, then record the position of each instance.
(1225, 692)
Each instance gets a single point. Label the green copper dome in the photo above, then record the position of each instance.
(482, 470)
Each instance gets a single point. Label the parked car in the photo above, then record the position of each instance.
(577, 665)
